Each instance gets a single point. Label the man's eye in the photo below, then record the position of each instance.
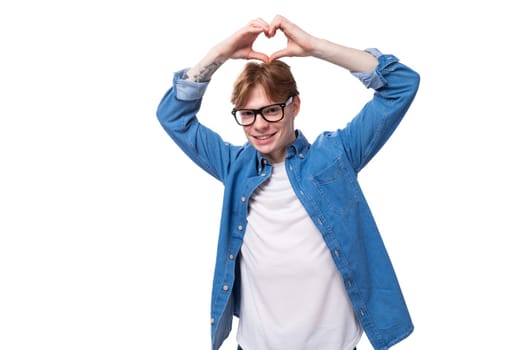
(271, 110)
(246, 114)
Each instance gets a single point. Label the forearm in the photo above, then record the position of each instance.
(204, 69)
(237, 46)
(352, 59)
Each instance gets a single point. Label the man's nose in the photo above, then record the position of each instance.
(260, 122)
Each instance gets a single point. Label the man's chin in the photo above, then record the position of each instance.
(263, 149)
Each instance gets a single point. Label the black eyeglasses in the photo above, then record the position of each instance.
(271, 113)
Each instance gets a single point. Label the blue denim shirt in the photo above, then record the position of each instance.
(323, 175)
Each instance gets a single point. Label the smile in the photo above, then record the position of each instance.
(263, 137)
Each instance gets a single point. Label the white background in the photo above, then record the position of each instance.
(108, 232)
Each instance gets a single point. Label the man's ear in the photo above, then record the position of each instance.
(296, 105)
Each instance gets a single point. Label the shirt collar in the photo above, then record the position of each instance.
(299, 147)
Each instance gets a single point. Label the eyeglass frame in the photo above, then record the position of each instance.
(283, 105)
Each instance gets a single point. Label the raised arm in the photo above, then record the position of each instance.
(237, 46)
(302, 44)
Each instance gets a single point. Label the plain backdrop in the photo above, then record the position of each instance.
(108, 232)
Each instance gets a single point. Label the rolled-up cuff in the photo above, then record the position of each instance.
(187, 90)
(374, 79)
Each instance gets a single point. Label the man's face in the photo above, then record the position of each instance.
(271, 139)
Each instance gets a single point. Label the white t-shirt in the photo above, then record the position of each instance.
(292, 296)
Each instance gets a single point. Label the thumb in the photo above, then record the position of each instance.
(279, 53)
(258, 56)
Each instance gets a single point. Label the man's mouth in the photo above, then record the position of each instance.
(263, 139)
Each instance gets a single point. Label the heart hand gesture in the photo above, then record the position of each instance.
(240, 44)
(299, 44)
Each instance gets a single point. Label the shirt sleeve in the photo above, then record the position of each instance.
(395, 86)
(187, 90)
(177, 113)
(371, 79)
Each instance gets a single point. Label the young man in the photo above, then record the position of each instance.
(300, 260)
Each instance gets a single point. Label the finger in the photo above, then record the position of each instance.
(258, 25)
(279, 53)
(258, 56)
(261, 21)
(277, 23)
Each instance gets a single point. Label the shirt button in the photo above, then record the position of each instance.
(225, 288)
(240, 227)
(243, 199)
(231, 256)
(212, 321)
(301, 155)
(263, 174)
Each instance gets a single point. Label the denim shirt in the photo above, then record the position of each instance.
(323, 175)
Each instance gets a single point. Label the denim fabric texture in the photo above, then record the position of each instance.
(239, 348)
(323, 175)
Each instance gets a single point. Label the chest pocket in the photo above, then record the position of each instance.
(337, 187)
